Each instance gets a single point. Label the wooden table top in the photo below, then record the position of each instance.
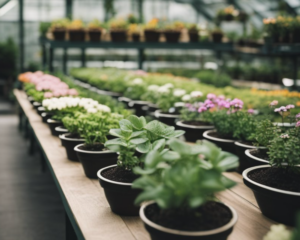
(89, 211)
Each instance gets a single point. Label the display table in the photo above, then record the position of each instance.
(88, 213)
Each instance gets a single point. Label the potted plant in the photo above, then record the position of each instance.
(224, 120)
(271, 28)
(217, 35)
(135, 90)
(43, 29)
(59, 29)
(173, 31)
(118, 30)
(151, 96)
(134, 31)
(152, 31)
(193, 32)
(168, 96)
(94, 128)
(227, 14)
(94, 30)
(276, 186)
(178, 188)
(195, 117)
(76, 31)
(135, 137)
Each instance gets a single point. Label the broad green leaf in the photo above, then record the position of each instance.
(155, 127)
(159, 145)
(136, 134)
(152, 159)
(138, 141)
(116, 132)
(144, 147)
(181, 147)
(125, 125)
(116, 141)
(137, 123)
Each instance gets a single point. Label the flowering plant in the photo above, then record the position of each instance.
(164, 176)
(136, 135)
(136, 89)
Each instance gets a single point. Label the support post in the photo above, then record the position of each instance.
(65, 60)
(83, 57)
(51, 51)
(140, 11)
(21, 35)
(69, 9)
(31, 141)
(295, 71)
(70, 233)
(140, 58)
(44, 57)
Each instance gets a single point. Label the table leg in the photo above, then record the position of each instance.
(140, 58)
(31, 141)
(70, 233)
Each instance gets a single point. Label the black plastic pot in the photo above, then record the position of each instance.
(252, 160)
(53, 124)
(109, 93)
(240, 149)
(158, 232)
(119, 195)
(60, 130)
(36, 105)
(135, 37)
(118, 36)
(194, 36)
(225, 144)
(151, 35)
(172, 36)
(41, 110)
(192, 132)
(138, 107)
(278, 205)
(92, 161)
(125, 100)
(70, 144)
(59, 34)
(46, 116)
(166, 118)
(151, 108)
(217, 37)
(95, 35)
(31, 99)
(77, 35)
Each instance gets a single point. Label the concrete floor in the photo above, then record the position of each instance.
(30, 205)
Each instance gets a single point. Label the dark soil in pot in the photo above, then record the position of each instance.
(70, 141)
(277, 192)
(95, 35)
(94, 158)
(176, 224)
(118, 36)
(280, 178)
(151, 35)
(217, 37)
(77, 35)
(225, 143)
(194, 37)
(135, 37)
(193, 129)
(172, 36)
(117, 187)
(59, 35)
(46, 116)
(53, 124)
(260, 153)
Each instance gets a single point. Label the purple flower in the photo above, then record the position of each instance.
(202, 109)
(223, 104)
(274, 103)
(288, 107)
(298, 124)
(298, 115)
(281, 109)
(237, 103)
(251, 111)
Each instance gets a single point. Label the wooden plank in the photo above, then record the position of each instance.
(91, 212)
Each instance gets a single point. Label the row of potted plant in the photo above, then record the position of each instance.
(149, 149)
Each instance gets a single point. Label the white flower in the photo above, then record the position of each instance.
(186, 98)
(92, 110)
(137, 81)
(163, 90)
(153, 87)
(168, 85)
(278, 232)
(196, 94)
(179, 92)
(103, 108)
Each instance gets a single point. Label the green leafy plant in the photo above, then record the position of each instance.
(72, 123)
(95, 127)
(136, 135)
(265, 132)
(184, 178)
(38, 96)
(43, 28)
(224, 123)
(244, 127)
(135, 89)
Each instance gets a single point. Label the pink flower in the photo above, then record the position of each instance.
(298, 115)
(237, 103)
(284, 135)
(223, 104)
(202, 109)
(211, 96)
(72, 92)
(48, 95)
(281, 109)
(250, 111)
(274, 103)
(290, 106)
(298, 124)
